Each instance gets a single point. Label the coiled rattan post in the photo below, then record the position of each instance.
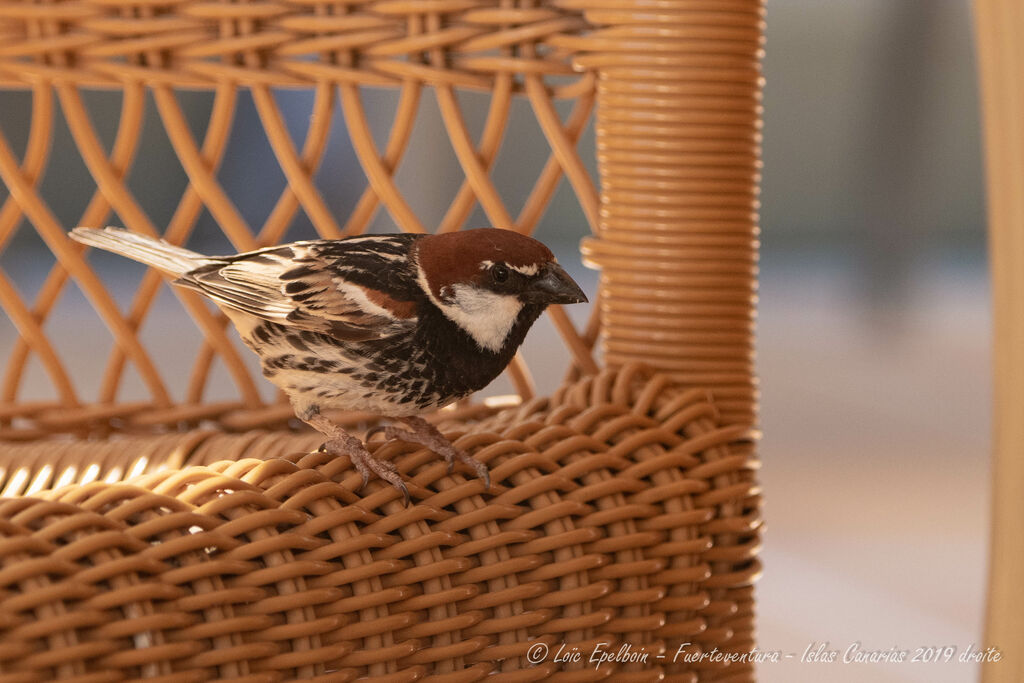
(678, 143)
(678, 119)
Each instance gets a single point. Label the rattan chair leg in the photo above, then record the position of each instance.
(1001, 58)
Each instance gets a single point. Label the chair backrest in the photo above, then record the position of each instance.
(676, 86)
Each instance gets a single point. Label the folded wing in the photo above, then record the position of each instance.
(297, 285)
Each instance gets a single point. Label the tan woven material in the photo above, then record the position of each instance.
(607, 526)
(625, 507)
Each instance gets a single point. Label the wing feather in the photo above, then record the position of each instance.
(298, 286)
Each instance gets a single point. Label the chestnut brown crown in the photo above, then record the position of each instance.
(495, 260)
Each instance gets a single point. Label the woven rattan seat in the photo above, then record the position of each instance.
(184, 538)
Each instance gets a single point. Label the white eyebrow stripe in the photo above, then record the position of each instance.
(528, 271)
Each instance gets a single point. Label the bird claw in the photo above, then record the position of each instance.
(451, 454)
(424, 434)
(365, 463)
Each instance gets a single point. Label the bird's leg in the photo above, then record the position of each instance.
(340, 442)
(425, 434)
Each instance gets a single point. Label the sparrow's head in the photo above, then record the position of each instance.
(487, 280)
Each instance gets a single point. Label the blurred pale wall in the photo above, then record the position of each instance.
(872, 140)
(871, 116)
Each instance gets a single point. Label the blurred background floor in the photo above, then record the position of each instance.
(876, 468)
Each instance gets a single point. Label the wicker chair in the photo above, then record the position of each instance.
(179, 538)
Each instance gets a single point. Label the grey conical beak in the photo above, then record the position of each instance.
(554, 286)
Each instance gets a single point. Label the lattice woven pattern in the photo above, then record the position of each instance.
(620, 514)
(370, 42)
(678, 92)
(387, 35)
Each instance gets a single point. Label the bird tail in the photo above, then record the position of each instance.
(156, 253)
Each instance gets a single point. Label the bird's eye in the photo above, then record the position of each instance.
(499, 272)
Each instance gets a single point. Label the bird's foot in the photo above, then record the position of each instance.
(342, 443)
(425, 434)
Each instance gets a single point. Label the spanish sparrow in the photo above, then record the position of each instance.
(393, 324)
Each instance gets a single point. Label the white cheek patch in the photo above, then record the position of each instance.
(486, 316)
